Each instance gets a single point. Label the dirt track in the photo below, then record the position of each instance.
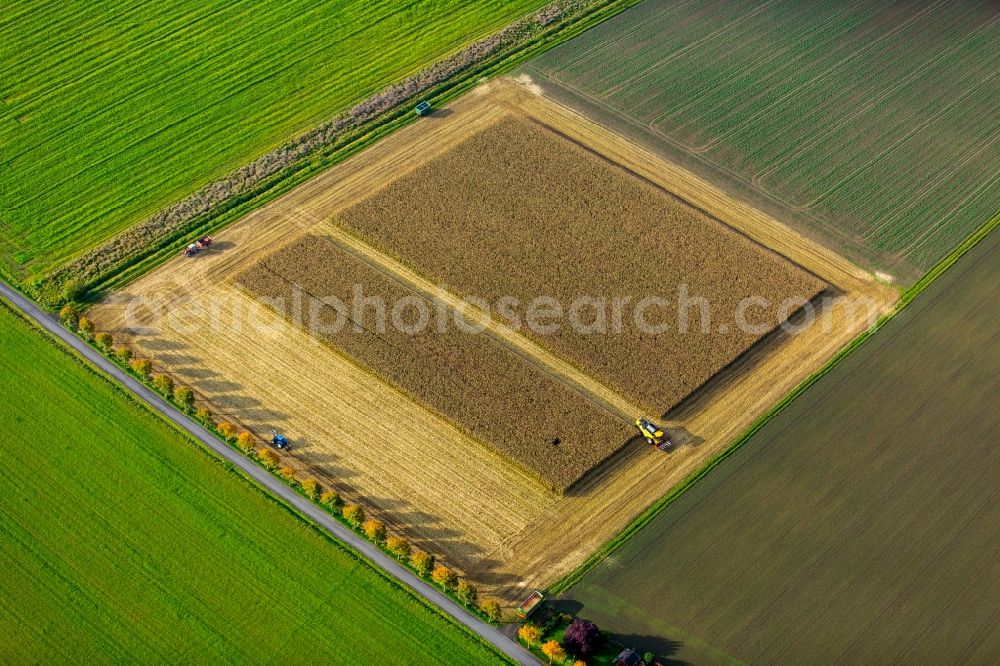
(461, 500)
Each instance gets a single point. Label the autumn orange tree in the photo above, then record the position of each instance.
(227, 430)
(491, 608)
(398, 546)
(530, 635)
(268, 458)
(444, 577)
(311, 488)
(374, 529)
(422, 562)
(244, 442)
(143, 368)
(553, 650)
(287, 473)
(70, 317)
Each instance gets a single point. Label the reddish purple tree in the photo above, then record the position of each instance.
(581, 638)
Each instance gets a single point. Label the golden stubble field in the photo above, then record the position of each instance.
(449, 493)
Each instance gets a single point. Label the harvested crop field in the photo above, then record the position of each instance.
(449, 493)
(475, 383)
(871, 125)
(518, 211)
(859, 526)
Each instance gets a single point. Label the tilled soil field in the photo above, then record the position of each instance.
(483, 388)
(517, 211)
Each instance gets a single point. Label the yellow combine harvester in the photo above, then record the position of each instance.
(653, 433)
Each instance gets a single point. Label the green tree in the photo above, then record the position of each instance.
(331, 500)
(184, 397)
(466, 593)
(70, 317)
(123, 354)
(104, 341)
(163, 384)
(85, 328)
(73, 290)
(354, 515)
(204, 415)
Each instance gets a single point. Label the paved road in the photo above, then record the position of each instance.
(264, 478)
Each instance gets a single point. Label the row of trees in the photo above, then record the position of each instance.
(374, 530)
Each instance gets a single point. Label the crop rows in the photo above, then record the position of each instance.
(517, 211)
(472, 381)
(868, 121)
(112, 111)
(858, 533)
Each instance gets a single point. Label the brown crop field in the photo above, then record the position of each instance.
(475, 383)
(427, 478)
(518, 211)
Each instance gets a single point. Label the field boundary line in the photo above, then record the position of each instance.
(366, 553)
(644, 518)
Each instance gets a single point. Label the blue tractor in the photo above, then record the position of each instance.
(279, 440)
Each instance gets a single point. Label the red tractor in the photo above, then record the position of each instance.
(201, 244)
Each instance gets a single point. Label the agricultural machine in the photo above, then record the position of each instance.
(279, 440)
(653, 433)
(423, 109)
(201, 244)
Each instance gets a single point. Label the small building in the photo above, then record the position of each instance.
(628, 657)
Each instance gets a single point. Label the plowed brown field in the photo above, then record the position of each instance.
(452, 495)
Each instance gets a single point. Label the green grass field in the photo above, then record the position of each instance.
(870, 124)
(110, 111)
(857, 526)
(120, 541)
